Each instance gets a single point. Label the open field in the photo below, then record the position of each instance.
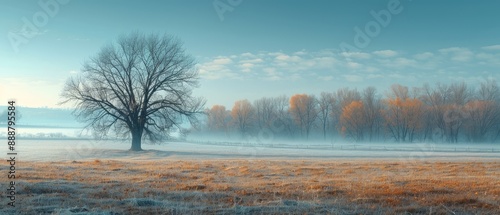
(255, 186)
(69, 150)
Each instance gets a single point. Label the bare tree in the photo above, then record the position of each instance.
(372, 112)
(326, 104)
(265, 112)
(482, 113)
(399, 91)
(482, 118)
(346, 96)
(460, 94)
(455, 114)
(489, 91)
(284, 122)
(446, 107)
(435, 99)
(139, 86)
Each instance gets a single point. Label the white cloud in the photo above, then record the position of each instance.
(356, 55)
(285, 65)
(386, 53)
(303, 52)
(353, 78)
(424, 56)
(272, 74)
(488, 59)
(326, 53)
(222, 61)
(404, 62)
(253, 61)
(215, 74)
(372, 76)
(326, 64)
(354, 65)
(398, 63)
(216, 69)
(295, 77)
(247, 67)
(396, 76)
(451, 49)
(270, 70)
(275, 53)
(492, 48)
(371, 69)
(462, 58)
(288, 58)
(282, 57)
(458, 54)
(325, 78)
(248, 54)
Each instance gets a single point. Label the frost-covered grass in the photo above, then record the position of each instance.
(255, 186)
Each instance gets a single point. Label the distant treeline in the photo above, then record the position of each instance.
(442, 113)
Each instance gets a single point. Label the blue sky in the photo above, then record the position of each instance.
(257, 48)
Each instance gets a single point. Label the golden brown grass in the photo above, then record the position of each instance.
(257, 186)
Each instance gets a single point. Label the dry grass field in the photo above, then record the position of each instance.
(255, 187)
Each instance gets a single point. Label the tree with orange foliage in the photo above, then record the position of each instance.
(304, 111)
(413, 110)
(243, 116)
(218, 119)
(352, 121)
(404, 118)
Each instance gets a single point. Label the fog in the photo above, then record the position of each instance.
(68, 150)
(55, 143)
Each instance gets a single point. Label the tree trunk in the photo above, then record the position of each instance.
(324, 131)
(136, 141)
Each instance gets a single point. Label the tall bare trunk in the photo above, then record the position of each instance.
(136, 141)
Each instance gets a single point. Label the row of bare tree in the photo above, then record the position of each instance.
(448, 113)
